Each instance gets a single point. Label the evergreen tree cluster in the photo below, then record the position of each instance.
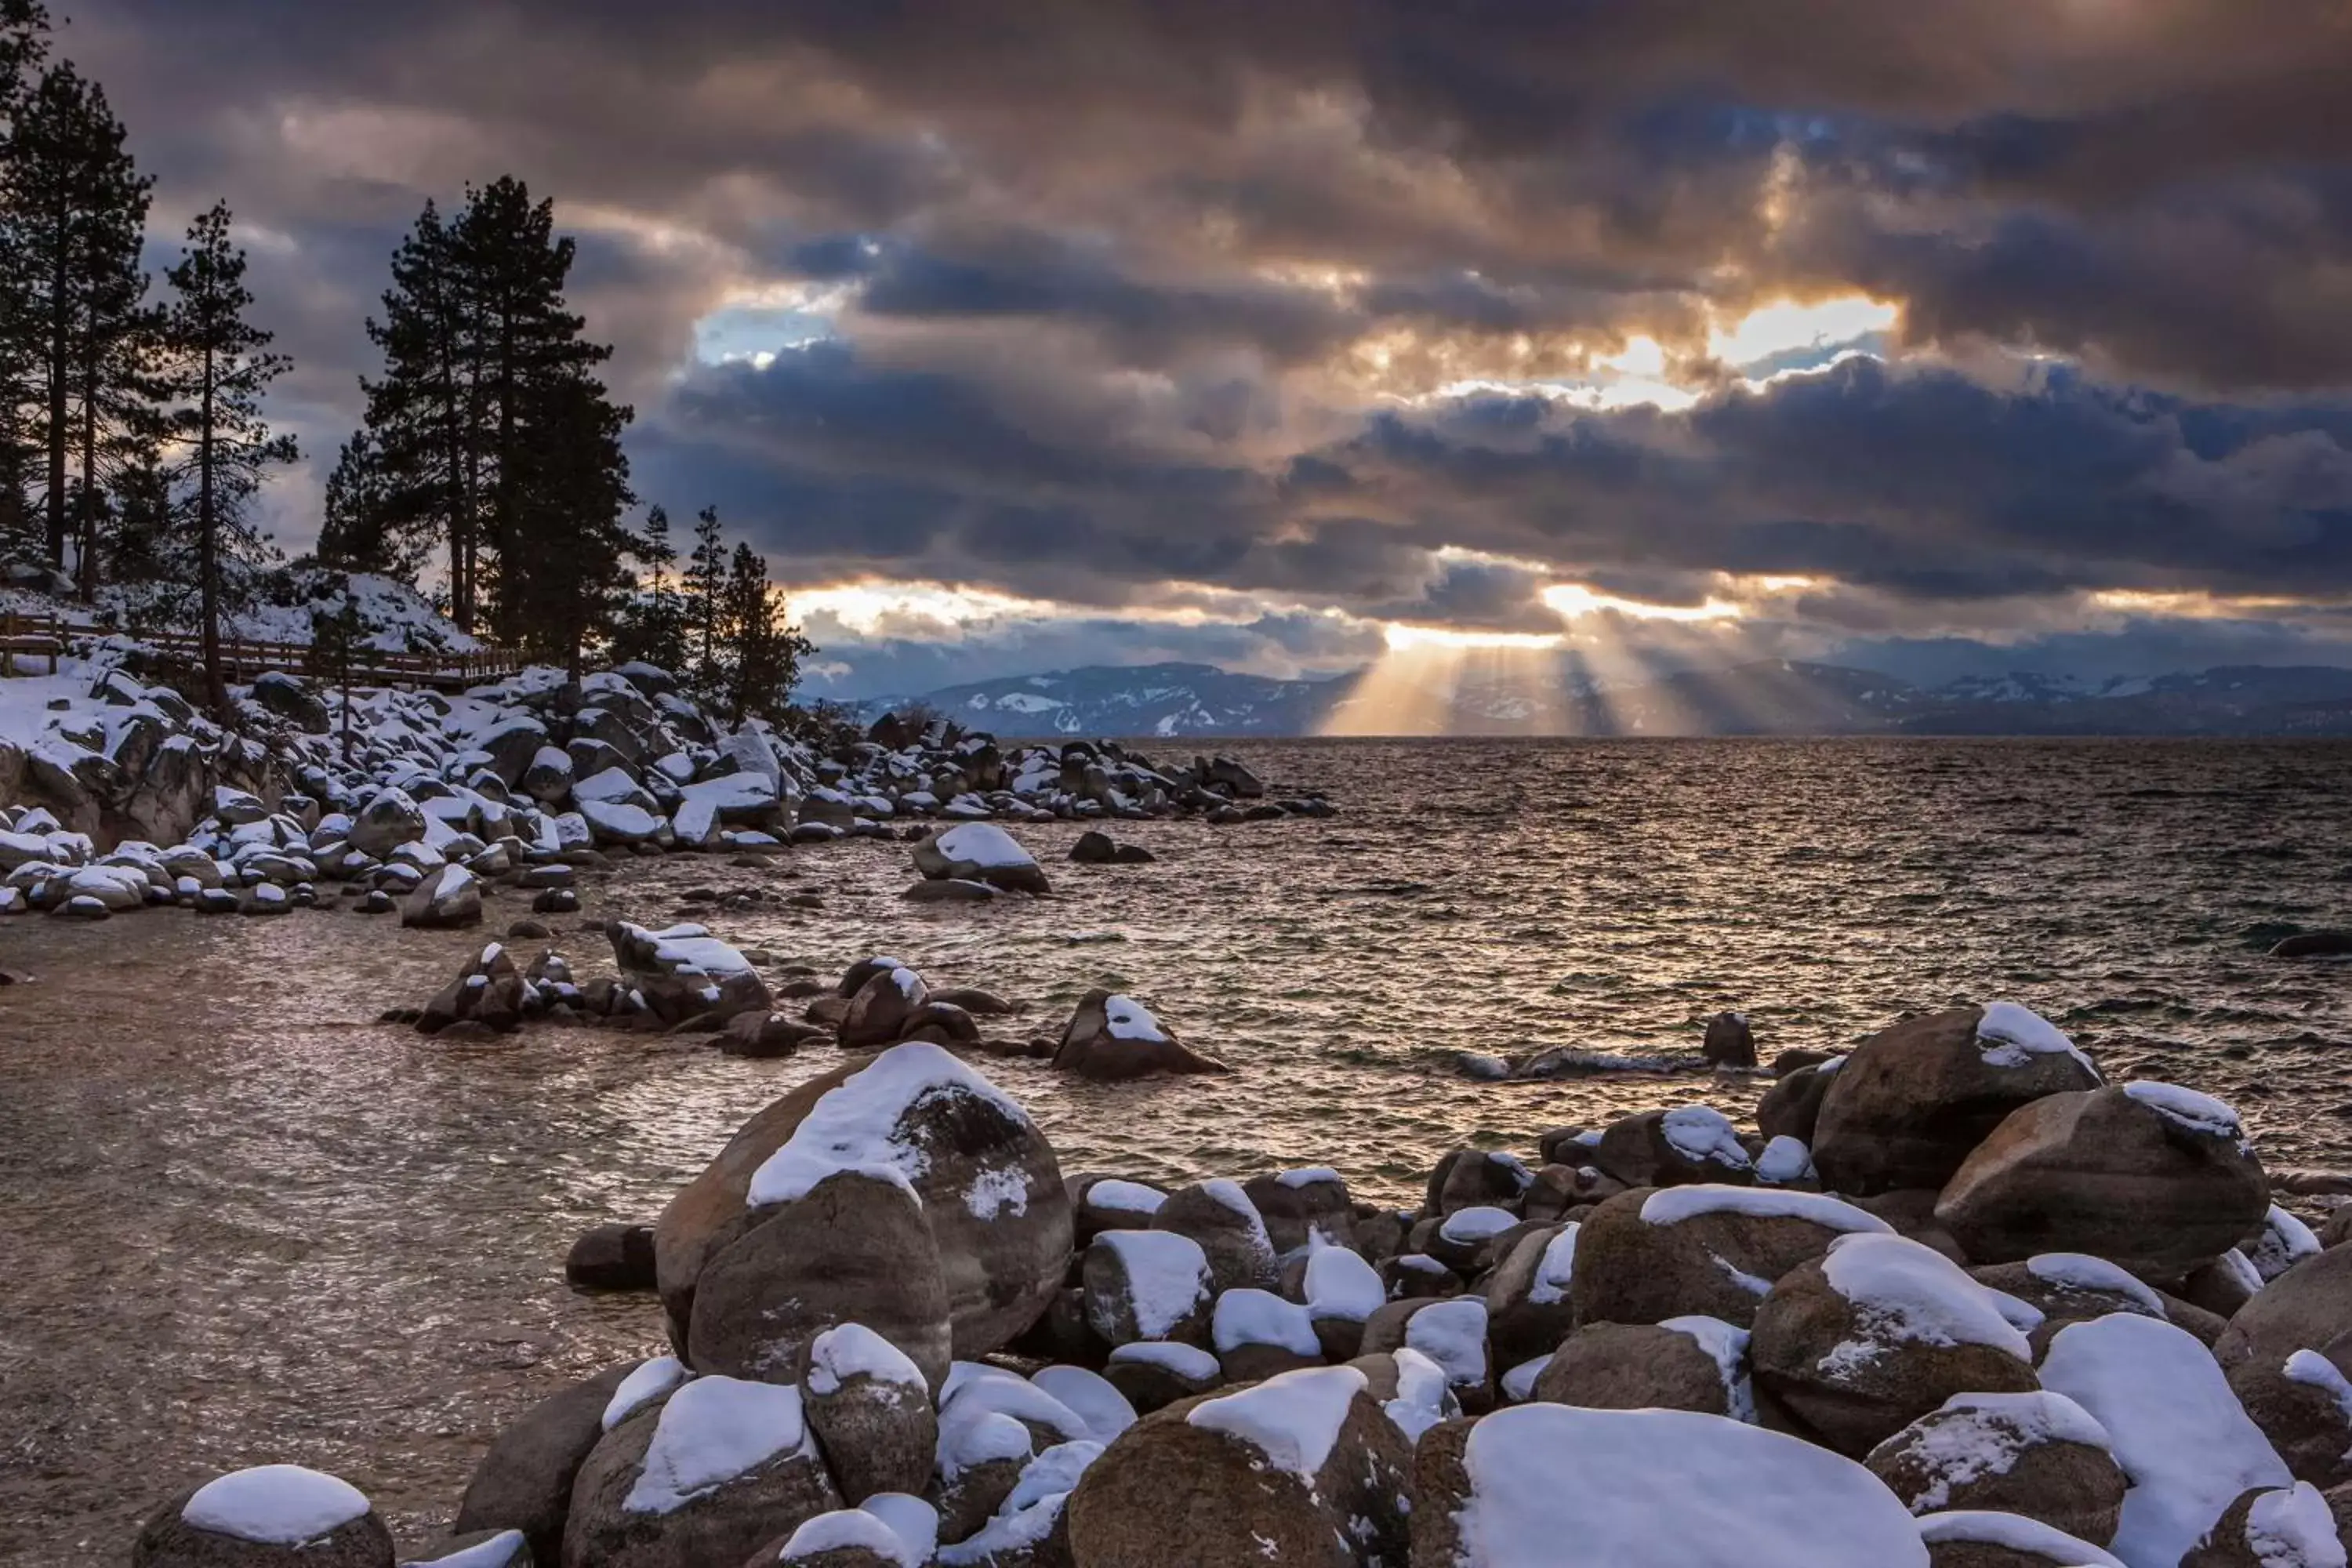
(132, 440)
(489, 462)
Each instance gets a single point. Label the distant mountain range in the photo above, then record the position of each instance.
(1774, 697)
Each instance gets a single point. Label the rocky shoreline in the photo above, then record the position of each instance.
(127, 797)
(1955, 1301)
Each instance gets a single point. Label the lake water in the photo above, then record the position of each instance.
(244, 1224)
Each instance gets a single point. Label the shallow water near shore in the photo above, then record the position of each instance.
(244, 1224)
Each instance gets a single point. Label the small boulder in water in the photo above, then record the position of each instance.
(1110, 1037)
(613, 1257)
(263, 1518)
(2313, 945)
(980, 852)
(1730, 1042)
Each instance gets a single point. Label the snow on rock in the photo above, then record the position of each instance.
(1519, 1382)
(2185, 1444)
(1188, 1362)
(2010, 1034)
(274, 1505)
(1340, 1284)
(2081, 1272)
(1167, 1276)
(1252, 1317)
(1128, 1019)
(1672, 1205)
(852, 1126)
(1784, 1160)
(2293, 1528)
(1728, 1343)
(1293, 1418)
(1125, 1198)
(1453, 1333)
(1903, 1291)
(2285, 1241)
(1477, 1223)
(1619, 1485)
(1029, 1513)
(651, 1380)
(2198, 1113)
(1424, 1394)
(712, 1430)
(852, 1350)
(1557, 1270)
(1102, 1407)
(1704, 1136)
(2016, 1533)
(849, 1530)
(504, 1549)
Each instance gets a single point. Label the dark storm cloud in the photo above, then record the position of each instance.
(1133, 296)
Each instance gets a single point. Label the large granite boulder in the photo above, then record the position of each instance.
(1653, 1253)
(870, 1406)
(2288, 1356)
(1683, 1363)
(273, 1516)
(449, 898)
(1907, 1105)
(1304, 1469)
(984, 1179)
(2149, 1175)
(388, 819)
(2271, 1527)
(1877, 1333)
(524, 1481)
(2038, 1455)
(1219, 1215)
(699, 1478)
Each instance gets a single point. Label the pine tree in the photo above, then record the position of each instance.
(76, 210)
(340, 633)
(416, 460)
(706, 594)
(359, 531)
(217, 367)
(652, 625)
(761, 655)
(562, 552)
(24, 44)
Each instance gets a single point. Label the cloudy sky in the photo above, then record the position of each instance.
(1950, 338)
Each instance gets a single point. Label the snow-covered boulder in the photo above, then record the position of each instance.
(1881, 1329)
(683, 972)
(390, 818)
(2149, 1175)
(2288, 1354)
(702, 1476)
(871, 1409)
(982, 1179)
(883, 1008)
(2185, 1445)
(1907, 1105)
(2285, 1527)
(1299, 1205)
(524, 1481)
(1652, 1254)
(1550, 1485)
(2039, 1455)
(273, 1516)
(490, 991)
(2070, 1288)
(1112, 1038)
(547, 778)
(1964, 1538)
(1683, 1363)
(478, 1549)
(1529, 1294)
(1220, 1216)
(1258, 1334)
(449, 897)
(1152, 1375)
(1691, 1143)
(1302, 1468)
(622, 822)
(980, 852)
(1147, 1285)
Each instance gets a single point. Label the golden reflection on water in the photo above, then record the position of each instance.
(243, 1224)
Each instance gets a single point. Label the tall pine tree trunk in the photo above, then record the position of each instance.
(87, 506)
(60, 337)
(209, 548)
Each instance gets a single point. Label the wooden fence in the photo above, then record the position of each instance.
(46, 637)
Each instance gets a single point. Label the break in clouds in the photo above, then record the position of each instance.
(1243, 332)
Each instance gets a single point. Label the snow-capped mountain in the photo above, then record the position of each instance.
(1770, 698)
